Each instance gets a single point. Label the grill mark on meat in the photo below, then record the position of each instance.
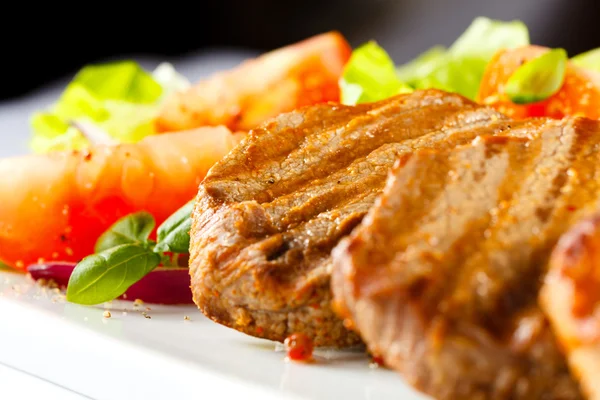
(304, 157)
(261, 248)
(551, 162)
(421, 241)
(477, 344)
(342, 184)
(323, 239)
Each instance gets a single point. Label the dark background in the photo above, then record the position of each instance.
(40, 45)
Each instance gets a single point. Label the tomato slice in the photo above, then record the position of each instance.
(56, 205)
(279, 81)
(578, 96)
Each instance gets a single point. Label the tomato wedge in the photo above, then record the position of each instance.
(55, 206)
(578, 96)
(301, 74)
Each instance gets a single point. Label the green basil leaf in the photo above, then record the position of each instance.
(107, 275)
(537, 79)
(133, 228)
(4, 266)
(588, 60)
(370, 75)
(174, 233)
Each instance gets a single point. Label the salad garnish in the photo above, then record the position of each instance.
(120, 99)
(457, 69)
(132, 229)
(174, 233)
(161, 286)
(538, 79)
(370, 75)
(125, 254)
(107, 275)
(589, 60)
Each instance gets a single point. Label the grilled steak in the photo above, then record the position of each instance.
(442, 277)
(268, 215)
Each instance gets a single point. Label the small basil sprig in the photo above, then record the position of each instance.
(4, 265)
(134, 228)
(125, 254)
(174, 233)
(537, 79)
(107, 275)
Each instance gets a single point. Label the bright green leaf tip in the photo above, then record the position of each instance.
(133, 228)
(107, 275)
(4, 266)
(537, 79)
(124, 80)
(120, 98)
(173, 234)
(370, 75)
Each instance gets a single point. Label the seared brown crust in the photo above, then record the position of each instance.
(268, 215)
(441, 278)
(570, 297)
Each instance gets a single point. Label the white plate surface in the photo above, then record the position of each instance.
(164, 357)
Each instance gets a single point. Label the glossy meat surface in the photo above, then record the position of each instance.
(442, 277)
(268, 215)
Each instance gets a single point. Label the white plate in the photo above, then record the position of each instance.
(165, 357)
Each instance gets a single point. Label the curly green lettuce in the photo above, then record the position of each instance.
(457, 69)
(117, 103)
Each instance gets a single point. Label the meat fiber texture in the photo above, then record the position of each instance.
(268, 215)
(442, 277)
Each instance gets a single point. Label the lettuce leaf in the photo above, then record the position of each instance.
(457, 69)
(422, 66)
(370, 75)
(125, 81)
(588, 60)
(460, 68)
(484, 37)
(120, 99)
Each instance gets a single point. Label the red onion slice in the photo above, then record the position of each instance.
(161, 286)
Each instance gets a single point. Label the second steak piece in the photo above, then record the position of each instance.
(442, 277)
(268, 215)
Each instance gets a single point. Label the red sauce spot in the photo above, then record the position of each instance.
(571, 208)
(259, 330)
(299, 347)
(378, 360)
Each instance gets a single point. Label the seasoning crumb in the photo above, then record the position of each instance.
(148, 309)
(145, 314)
(137, 302)
(186, 318)
(373, 365)
(106, 314)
